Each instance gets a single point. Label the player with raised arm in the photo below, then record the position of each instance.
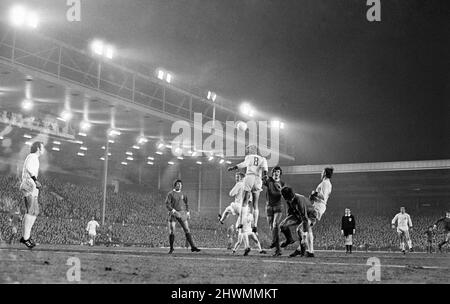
(256, 170)
(402, 221)
(91, 229)
(238, 193)
(446, 221)
(177, 205)
(30, 187)
(245, 234)
(303, 215)
(273, 206)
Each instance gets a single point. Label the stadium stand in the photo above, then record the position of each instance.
(139, 219)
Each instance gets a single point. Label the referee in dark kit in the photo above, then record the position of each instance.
(348, 227)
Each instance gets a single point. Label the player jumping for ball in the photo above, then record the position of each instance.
(404, 225)
(446, 221)
(273, 206)
(238, 193)
(177, 204)
(30, 187)
(256, 170)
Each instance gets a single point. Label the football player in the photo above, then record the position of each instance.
(404, 225)
(256, 169)
(446, 221)
(30, 187)
(303, 215)
(320, 196)
(273, 206)
(177, 205)
(245, 234)
(238, 193)
(91, 228)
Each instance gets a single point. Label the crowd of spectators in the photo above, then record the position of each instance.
(139, 218)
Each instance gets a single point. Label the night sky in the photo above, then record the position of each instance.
(349, 90)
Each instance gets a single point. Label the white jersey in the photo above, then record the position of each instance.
(255, 165)
(92, 227)
(238, 192)
(247, 224)
(324, 191)
(30, 166)
(403, 221)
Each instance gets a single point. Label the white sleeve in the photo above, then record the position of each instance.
(409, 221)
(394, 219)
(235, 190)
(32, 166)
(264, 164)
(243, 164)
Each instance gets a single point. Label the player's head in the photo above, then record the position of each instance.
(347, 211)
(430, 227)
(37, 147)
(239, 176)
(327, 172)
(287, 193)
(447, 214)
(252, 149)
(178, 184)
(402, 209)
(276, 172)
(93, 218)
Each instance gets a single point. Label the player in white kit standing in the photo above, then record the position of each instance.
(92, 230)
(29, 187)
(256, 170)
(404, 224)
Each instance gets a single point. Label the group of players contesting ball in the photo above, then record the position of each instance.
(302, 212)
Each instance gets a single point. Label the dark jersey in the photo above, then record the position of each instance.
(177, 200)
(348, 224)
(273, 194)
(301, 207)
(446, 222)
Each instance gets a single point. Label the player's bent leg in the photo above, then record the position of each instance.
(285, 229)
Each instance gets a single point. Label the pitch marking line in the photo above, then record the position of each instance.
(248, 260)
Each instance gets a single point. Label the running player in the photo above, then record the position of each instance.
(91, 228)
(273, 206)
(245, 234)
(301, 213)
(256, 170)
(238, 193)
(177, 204)
(404, 224)
(30, 187)
(446, 221)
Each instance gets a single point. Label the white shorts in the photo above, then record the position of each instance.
(252, 183)
(235, 208)
(404, 231)
(320, 209)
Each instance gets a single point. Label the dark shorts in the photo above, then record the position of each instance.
(271, 210)
(31, 205)
(175, 218)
